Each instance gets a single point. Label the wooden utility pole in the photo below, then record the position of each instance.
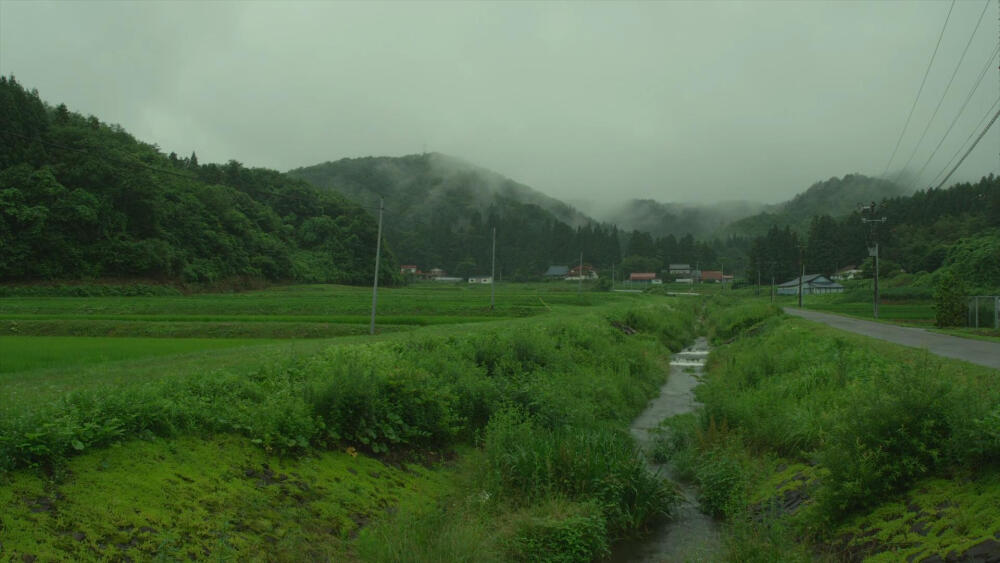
(378, 253)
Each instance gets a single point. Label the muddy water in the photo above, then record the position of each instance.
(690, 535)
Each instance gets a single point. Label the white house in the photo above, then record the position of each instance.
(846, 273)
(481, 279)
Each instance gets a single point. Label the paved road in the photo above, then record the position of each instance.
(973, 351)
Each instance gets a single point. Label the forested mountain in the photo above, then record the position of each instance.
(83, 199)
(834, 197)
(957, 227)
(440, 212)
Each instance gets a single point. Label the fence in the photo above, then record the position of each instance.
(984, 311)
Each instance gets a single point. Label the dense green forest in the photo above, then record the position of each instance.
(81, 199)
(835, 197)
(440, 213)
(957, 228)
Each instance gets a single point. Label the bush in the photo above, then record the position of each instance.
(561, 531)
(950, 300)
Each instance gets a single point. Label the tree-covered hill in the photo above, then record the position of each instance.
(957, 227)
(835, 197)
(83, 199)
(440, 212)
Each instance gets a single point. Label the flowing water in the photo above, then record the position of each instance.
(690, 535)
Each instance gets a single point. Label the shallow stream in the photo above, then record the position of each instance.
(691, 535)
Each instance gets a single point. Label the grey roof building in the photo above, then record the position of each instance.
(556, 272)
(811, 284)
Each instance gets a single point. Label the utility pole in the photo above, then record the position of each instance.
(378, 253)
(579, 286)
(612, 275)
(873, 250)
(493, 270)
(802, 274)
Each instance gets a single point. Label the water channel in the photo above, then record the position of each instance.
(690, 535)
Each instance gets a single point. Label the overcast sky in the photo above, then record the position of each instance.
(584, 101)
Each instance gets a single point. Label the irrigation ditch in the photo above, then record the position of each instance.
(690, 535)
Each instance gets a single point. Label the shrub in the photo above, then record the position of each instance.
(561, 531)
(949, 300)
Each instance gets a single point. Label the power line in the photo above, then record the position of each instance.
(967, 139)
(945, 94)
(919, 90)
(979, 80)
(979, 138)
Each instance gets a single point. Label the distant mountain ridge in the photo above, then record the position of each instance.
(835, 197)
(441, 209)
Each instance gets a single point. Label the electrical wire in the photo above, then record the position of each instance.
(979, 81)
(919, 90)
(967, 139)
(945, 94)
(979, 138)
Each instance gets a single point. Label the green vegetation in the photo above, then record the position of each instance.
(535, 408)
(20, 353)
(816, 436)
(443, 210)
(80, 199)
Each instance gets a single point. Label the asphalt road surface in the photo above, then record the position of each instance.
(972, 351)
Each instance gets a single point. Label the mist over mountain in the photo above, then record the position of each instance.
(678, 219)
(417, 183)
(440, 212)
(835, 197)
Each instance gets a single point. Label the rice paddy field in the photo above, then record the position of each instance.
(53, 345)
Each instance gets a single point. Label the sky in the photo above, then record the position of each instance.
(590, 102)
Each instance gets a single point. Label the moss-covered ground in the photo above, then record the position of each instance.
(218, 498)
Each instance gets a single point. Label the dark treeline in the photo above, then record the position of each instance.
(83, 199)
(957, 227)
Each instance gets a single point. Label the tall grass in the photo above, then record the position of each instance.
(873, 416)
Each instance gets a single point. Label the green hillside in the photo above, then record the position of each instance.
(81, 199)
(440, 212)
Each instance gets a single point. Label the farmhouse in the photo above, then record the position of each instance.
(715, 276)
(589, 273)
(811, 284)
(481, 279)
(408, 269)
(846, 273)
(643, 278)
(680, 270)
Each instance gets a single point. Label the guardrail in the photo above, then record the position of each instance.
(985, 308)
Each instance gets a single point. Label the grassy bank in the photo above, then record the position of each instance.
(814, 443)
(538, 406)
